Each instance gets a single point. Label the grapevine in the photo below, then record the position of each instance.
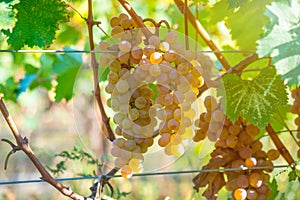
(156, 84)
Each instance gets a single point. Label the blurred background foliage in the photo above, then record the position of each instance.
(54, 127)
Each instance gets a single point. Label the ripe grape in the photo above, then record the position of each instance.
(124, 46)
(154, 40)
(255, 180)
(171, 37)
(250, 162)
(122, 86)
(240, 194)
(156, 58)
(273, 154)
(242, 181)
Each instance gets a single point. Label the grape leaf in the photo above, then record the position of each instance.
(7, 14)
(9, 89)
(37, 22)
(246, 23)
(281, 40)
(235, 3)
(274, 187)
(66, 66)
(254, 100)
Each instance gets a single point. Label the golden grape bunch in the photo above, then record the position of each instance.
(153, 83)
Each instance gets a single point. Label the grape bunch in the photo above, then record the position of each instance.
(210, 123)
(152, 84)
(296, 110)
(235, 147)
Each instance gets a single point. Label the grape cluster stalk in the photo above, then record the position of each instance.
(153, 83)
(235, 147)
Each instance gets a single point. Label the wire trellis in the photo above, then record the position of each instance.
(148, 174)
(108, 51)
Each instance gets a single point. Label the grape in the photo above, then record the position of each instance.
(120, 162)
(103, 45)
(140, 102)
(250, 162)
(238, 163)
(234, 129)
(126, 172)
(240, 194)
(115, 66)
(252, 130)
(156, 58)
(122, 86)
(171, 37)
(231, 141)
(130, 145)
(123, 16)
(210, 103)
(155, 70)
(113, 77)
(255, 180)
(252, 194)
(115, 31)
(273, 154)
(109, 88)
(183, 68)
(164, 140)
(125, 46)
(148, 50)
(164, 46)
(136, 52)
(170, 56)
(173, 124)
(245, 152)
(126, 123)
(242, 181)
(115, 151)
(167, 99)
(125, 23)
(114, 21)
(154, 40)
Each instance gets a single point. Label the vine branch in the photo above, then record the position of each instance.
(203, 33)
(90, 23)
(279, 145)
(135, 17)
(22, 144)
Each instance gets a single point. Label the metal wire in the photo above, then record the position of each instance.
(107, 51)
(148, 174)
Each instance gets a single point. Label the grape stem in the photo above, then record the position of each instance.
(279, 145)
(135, 17)
(203, 33)
(90, 23)
(23, 145)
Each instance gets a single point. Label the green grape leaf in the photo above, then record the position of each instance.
(9, 89)
(245, 24)
(255, 100)
(274, 187)
(278, 118)
(102, 73)
(281, 40)
(235, 3)
(64, 88)
(37, 22)
(43, 75)
(66, 66)
(7, 14)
